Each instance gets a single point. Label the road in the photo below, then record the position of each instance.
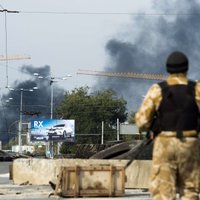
(10, 191)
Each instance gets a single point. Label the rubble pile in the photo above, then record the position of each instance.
(136, 149)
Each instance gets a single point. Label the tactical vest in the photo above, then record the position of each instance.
(178, 110)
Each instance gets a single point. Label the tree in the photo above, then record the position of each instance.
(131, 118)
(89, 111)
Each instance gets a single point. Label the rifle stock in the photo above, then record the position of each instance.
(141, 147)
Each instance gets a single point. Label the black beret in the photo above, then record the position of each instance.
(177, 62)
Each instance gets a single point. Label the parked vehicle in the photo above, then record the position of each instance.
(61, 130)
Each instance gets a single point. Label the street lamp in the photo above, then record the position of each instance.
(9, 99)
(51, 80)
(20, 112)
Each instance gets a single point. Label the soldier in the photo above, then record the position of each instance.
(173, 105)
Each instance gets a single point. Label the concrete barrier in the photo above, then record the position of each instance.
(41, 171)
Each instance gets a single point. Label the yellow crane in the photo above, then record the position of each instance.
(13, 57)
(147, 76)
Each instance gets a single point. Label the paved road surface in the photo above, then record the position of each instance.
(9, 191)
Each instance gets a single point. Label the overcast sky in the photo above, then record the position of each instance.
(110, 35)
(65, 42)
(62, 36)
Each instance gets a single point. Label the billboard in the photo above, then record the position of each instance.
(52, 130)
(131, 129)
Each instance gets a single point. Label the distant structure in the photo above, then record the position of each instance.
(13, 57)
(147, 76)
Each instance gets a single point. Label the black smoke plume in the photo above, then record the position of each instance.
(35, 104)
(146, 45)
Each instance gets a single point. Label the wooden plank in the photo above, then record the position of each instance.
(111, 181)
(77, 173)
(64, 185)
(123, 178)
(59, 182)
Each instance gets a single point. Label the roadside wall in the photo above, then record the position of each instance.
(41, 171)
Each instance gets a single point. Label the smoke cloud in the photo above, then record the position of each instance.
(146, 45)
(36, 104)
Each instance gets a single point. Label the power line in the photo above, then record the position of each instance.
(8, 11)
(108, 13)
(1, 6)
(16, 69)
(99, 13)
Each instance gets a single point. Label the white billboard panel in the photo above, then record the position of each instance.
(53, 130)
(131, 129)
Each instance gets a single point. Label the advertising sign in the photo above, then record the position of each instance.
(126, 129)
(52, 130)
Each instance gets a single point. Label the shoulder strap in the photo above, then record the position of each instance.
(191, 87)
(163, 84)
(165, 88)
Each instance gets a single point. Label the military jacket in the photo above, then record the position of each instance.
(153, 98)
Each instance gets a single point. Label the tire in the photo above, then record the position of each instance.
(112, 151)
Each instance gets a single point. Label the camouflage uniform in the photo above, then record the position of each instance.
(175, 161)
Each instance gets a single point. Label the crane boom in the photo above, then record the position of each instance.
(147, 76)
(13, 57)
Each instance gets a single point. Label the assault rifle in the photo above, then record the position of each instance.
(139, 150)
(153, 131)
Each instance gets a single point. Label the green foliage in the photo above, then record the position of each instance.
(68, 148)
(11, 142)
(90, 110)
(131, 119)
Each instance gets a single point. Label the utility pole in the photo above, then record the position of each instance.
(20, 123)
(117, 129)
(21, 112)
(102, 132)
(51, 85)
(5, 11)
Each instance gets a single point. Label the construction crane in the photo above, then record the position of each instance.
(13, 57)
(147, 76)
